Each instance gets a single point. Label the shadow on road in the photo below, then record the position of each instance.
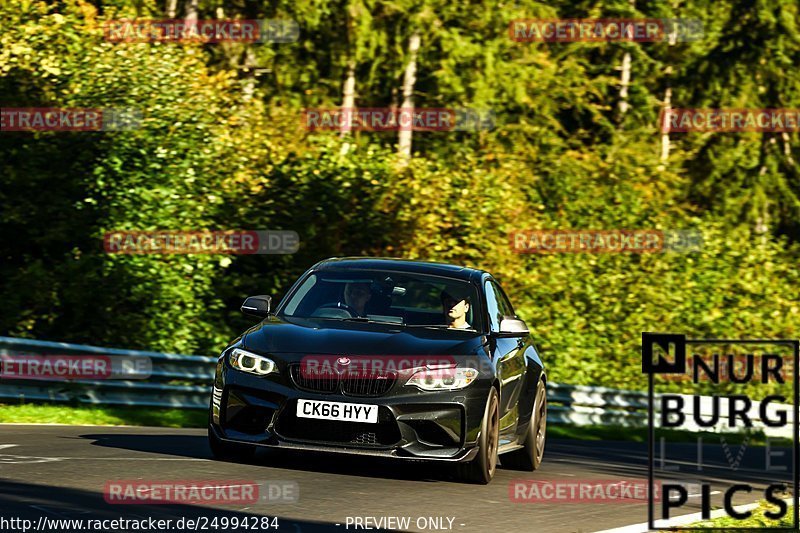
(196, 446)
(181, 445)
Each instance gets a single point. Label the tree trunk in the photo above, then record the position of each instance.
(348, 96)
(665, 124)
(249, 68)
(625, 77)
(172, 8)
(349, 85)
(348, 104)
(191, 11)
(665, 145)
(787, 148)
(409, 79)
(625, 80)
(763, 222)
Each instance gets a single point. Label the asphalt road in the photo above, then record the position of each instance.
(61, 471)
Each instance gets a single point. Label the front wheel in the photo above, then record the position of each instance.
(529, 457)
(481, 469)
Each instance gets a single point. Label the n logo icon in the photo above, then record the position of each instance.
(663, 353)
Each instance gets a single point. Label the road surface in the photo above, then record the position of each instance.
(60, 472)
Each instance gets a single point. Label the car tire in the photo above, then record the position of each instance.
(228, 451)
(529, 457)
(481, 469)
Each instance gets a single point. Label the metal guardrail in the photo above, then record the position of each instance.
(581, 405)
(180, 381)
(184, 381)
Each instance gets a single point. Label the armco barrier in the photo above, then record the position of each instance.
(184, 381)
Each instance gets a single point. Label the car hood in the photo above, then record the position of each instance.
(315, 336)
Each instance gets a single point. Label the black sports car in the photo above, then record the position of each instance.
(391, 358)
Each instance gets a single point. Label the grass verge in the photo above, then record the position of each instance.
(30, 413)
(756, 520)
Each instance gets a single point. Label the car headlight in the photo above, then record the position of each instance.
(251, 362)
(450, 378)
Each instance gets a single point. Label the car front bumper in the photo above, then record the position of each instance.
(412, 424)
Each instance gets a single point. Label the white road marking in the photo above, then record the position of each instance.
(131, 459)
(710, 494)
(9, 459)
(143, 489)
(46, 510)
(25, 459)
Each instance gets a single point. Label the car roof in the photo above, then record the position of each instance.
(402, 265)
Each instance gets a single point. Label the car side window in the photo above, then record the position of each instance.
(497, 305)
(493, 307)
(502, 300)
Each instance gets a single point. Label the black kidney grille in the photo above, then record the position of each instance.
(355, 385)
(351, 383)
(324, 384)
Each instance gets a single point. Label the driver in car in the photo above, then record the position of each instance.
(456, 306)
(356, 296)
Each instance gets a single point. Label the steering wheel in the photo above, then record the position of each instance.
(343, 306)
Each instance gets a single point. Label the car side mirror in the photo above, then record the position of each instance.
(513, 327)
(257, 305)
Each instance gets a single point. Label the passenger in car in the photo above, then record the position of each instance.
(455, 304)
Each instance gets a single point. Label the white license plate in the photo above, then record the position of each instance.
(349, 412)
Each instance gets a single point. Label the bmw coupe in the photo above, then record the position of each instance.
(391, 358)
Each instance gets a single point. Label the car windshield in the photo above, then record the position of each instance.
(407, 299)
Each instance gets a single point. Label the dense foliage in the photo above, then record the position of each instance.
(221, 146)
